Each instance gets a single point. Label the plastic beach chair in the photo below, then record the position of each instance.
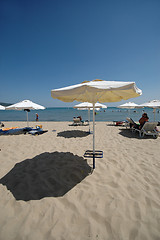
(149, 128)
(133, 126)
(77, 122)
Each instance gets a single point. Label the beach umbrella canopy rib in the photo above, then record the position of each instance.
(97, 91)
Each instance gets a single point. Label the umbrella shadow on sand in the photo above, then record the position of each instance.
(46, 175)
(128, 133)
(73, 134)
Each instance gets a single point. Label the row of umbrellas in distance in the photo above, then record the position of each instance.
(151, 104)
(28, 105)
(129, 105)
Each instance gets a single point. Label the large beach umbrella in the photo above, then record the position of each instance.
(97, 91)
(2, 107)
(89, 106)
(151, 104)
(25, 105)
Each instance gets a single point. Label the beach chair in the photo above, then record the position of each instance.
(149, 128)
(14, 131)
(77, 122)
(132, 125)
(37, 131)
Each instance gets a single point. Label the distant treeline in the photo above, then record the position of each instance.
(5, 104)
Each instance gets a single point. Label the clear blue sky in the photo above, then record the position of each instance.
(56, 43)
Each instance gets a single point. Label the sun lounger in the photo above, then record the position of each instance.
(77, 122)
(149, 128)
(37, 131)
(14, 131)
(132, 124)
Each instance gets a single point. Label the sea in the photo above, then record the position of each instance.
(66, 114)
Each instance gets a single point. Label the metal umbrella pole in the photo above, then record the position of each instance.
(89, 119)
(27, 120)
(93, 135)
(93, 153)
(27, 110)
(154, 111)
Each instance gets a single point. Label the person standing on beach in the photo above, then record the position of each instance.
(37, 117)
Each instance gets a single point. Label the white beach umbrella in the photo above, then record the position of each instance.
(97, 91)
(25, 105)
(2, 107)
(129, 105)
(89, 106)
(151, 104)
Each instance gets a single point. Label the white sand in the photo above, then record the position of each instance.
(54, 195)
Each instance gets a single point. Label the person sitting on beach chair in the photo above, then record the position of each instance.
(80, 118)
(143, 119)
(77, 121)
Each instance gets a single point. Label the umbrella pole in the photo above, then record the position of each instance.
(154, 111)
(93, 135)
(27, 119)
(89, 118)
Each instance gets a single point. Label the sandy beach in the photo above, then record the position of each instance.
(48, 190)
